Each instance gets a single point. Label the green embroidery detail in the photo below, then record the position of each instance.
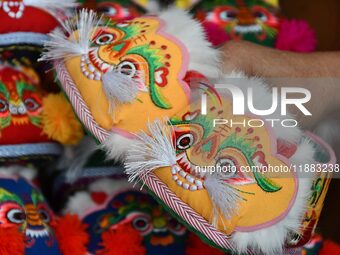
(6, 121)
(4, 91)
(154, 60)
(204, 121)
(119, 46)
(35, 120)
(317, 188)
(22, 86)
(207, 147)
(129, 31)
(37, 197)
(239, 143)
(6, 196)
(265, 183)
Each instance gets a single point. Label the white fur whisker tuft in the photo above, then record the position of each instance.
(151, 151)
(120, 87)
(225, 198)
(65, 43)
(52, 4)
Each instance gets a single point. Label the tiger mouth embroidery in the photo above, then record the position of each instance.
(185, 174)
(248, 29)
(14, 9)
(93, 67)
(37, 233)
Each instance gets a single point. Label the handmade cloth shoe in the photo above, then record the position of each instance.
(120, 75)
(236, 184)
(124, 220)
(255, 21)
(26, 220)
(24, 25)
(29, 128)
(115, 10)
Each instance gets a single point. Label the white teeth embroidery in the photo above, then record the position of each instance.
(248, 29)
(183, 178)
(13, 9)
(36, 233)
(93, 67)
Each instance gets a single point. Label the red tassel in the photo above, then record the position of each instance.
(123, 240)
(12, 241)
(196, 247)
(71, 235)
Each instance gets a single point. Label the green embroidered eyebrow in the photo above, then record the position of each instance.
(150, 55)
(205, 122)
(232, 141)
(21, 86)
(37, 197)
(6, 196)
(4, 91)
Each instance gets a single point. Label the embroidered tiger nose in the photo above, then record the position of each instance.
(17, 108)
(119, 49)
(159, 223)
(33, 216)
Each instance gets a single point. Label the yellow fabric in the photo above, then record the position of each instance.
(184, 4)
(274, 3)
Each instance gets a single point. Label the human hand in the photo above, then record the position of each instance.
(318, 72)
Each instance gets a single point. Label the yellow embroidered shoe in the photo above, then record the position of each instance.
(119, 76)
(240, 182)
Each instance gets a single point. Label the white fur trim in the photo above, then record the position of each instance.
(79, 204)
(116, 146)
(262, 100)
(16, 170)
(329, 130)
(203, 58)
(52, 4)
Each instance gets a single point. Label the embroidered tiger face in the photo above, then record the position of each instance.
(242, 19)
(161, 233)
(20, 106)
(222, 171)
(24, 207)
(131, 73)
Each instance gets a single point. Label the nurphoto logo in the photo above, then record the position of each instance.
(279, 100)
